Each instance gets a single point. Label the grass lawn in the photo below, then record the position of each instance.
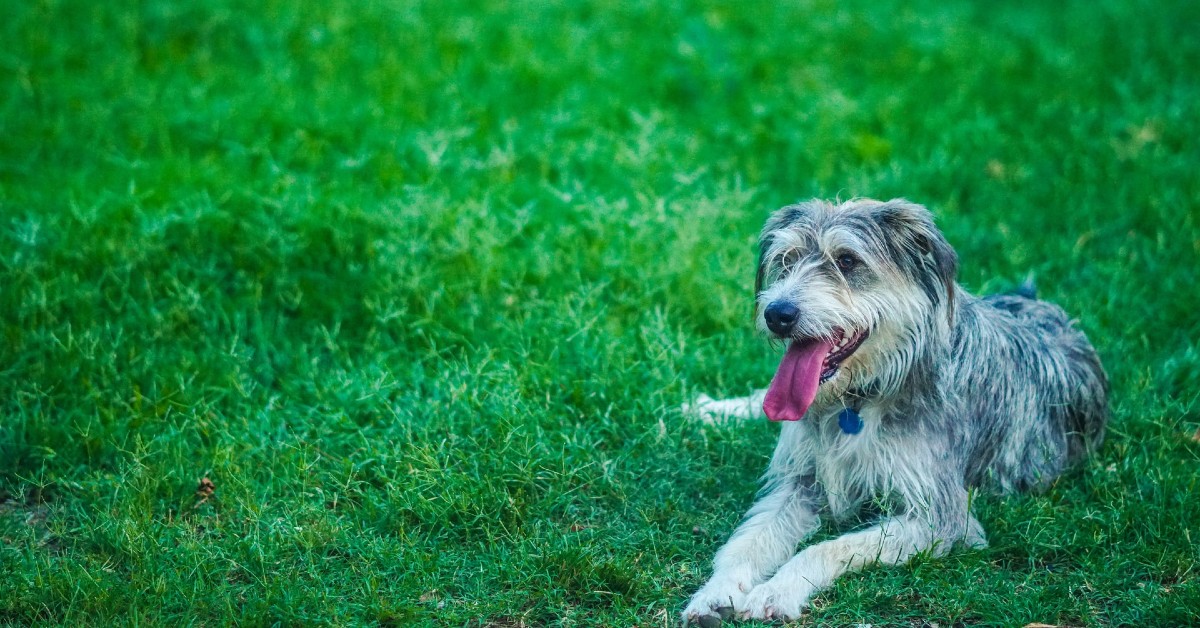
(419, 286)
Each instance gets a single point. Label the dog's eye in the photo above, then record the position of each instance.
(846, 262)
(790, 258)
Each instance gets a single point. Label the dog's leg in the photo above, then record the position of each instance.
(767, 538)
(974, 538)
(712, 410)
(893, 541)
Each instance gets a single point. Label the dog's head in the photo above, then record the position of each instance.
(857, 289)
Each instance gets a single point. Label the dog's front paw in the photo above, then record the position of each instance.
(717, 600)
(771, 601)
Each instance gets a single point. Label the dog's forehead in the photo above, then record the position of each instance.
(823, 226)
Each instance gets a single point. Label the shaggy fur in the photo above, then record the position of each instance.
(954, 392)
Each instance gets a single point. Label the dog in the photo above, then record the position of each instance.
(899, 394)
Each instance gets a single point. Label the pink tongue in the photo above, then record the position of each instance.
(795, 384)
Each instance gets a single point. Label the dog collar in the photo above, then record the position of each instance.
(850, 421)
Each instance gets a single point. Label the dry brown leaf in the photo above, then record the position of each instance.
(205, 490)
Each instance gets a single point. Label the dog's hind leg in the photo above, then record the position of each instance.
(712, 410)
(975, 538)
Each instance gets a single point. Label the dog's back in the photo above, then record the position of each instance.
(1035, 417)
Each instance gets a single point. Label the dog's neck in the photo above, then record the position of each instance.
(889, 398)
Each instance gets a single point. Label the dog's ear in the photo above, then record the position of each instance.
(760, 275)
(924, 244)
(945, 260)
(764, 245)
(779, 219)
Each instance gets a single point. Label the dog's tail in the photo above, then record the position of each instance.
(1027, 289)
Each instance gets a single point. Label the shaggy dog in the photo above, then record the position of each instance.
(898, 393)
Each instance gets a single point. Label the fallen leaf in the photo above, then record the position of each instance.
(205, 490)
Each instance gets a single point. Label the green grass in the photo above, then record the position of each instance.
(421, 285)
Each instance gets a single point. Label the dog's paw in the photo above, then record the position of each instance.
(711, 410)
(698, 407)
(975, 537)
(771, 601)
(715, 601)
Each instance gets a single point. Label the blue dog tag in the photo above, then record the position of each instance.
(849, 421)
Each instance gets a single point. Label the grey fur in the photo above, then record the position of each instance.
(955, 391)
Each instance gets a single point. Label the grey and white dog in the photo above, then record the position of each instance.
(899, 393)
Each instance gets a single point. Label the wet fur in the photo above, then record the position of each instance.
(955, 392)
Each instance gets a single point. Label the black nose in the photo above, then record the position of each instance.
(781, 317)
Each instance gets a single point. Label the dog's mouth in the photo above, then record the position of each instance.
(843, 346)
(808, 363)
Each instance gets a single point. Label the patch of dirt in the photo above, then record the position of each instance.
(33, 514)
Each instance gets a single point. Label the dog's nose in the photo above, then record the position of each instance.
(781, 317)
